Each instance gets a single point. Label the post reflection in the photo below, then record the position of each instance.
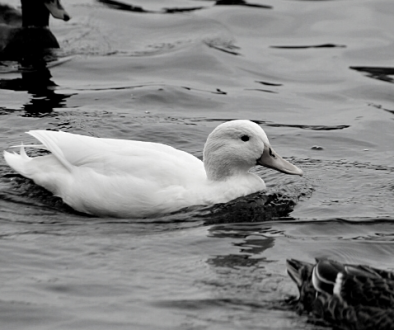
(36, 79)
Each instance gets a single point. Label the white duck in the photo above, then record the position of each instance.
(122, 178)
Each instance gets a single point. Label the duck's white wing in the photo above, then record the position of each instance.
(119, 157)
(112, 177)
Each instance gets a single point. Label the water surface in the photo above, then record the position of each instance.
(316, 75)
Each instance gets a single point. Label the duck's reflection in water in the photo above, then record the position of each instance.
(36, 79)
(27, 43)
(243, 276)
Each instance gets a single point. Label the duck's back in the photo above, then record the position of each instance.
(111, 177)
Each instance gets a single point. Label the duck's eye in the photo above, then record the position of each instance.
(245, 138)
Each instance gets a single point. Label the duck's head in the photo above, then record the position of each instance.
(235, 146)
(35, 13)
(301, 274)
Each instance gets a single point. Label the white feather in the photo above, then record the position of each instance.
(122, 178)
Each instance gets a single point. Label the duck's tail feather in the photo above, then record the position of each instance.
(18, 161)
(47, 138)
(36, 146)
(299, 271)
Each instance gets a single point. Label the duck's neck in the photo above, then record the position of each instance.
(34, 14)
(219, 169)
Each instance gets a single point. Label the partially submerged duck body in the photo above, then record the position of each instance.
(123, 178)
(29, 35)
(349, 297)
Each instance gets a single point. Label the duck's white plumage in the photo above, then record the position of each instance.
(123, 178)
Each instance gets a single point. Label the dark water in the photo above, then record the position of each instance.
(317, 75)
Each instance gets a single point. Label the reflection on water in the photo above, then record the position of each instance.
(376, 73)
(253, 208)
(37, 81)
(241, 3)
(312, 46)
(172, 10)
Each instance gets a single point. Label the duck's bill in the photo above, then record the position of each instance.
(56, 9)
(271, 159)
(294, 270)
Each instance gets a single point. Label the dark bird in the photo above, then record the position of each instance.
(27, 34)
(348, 297)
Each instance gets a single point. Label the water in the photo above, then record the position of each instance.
(317, 76)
